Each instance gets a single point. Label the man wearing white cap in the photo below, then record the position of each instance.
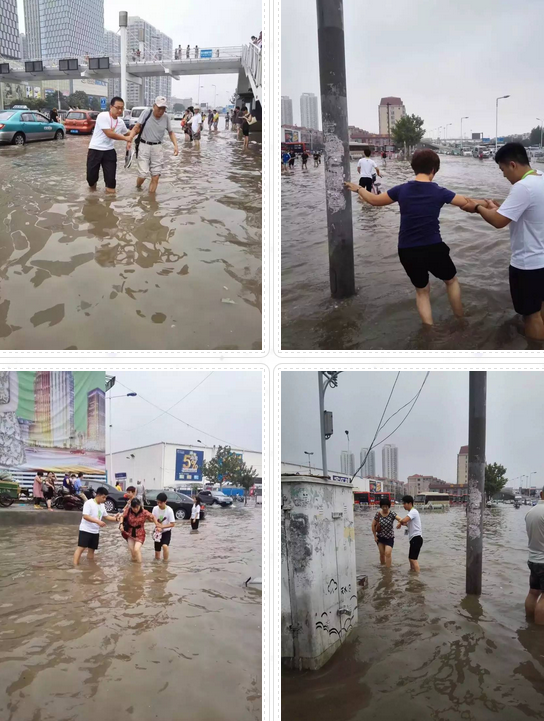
(149, 132)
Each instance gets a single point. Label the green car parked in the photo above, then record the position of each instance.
(24, 126)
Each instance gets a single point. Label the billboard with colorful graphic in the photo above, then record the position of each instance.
(189, 464)
(375, 486)
(53, 420)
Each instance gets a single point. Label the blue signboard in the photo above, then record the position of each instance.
(103, 103)
(342, 479)
(486, 140)
(120, 476)
(189, 464)
(500, 140)
(205, 53)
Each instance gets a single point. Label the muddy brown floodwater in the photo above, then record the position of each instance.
(113, 640)
(79, 270)
(382, 315)
(422, 649)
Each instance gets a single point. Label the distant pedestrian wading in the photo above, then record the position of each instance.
(101, 154)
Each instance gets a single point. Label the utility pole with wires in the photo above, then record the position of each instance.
(476, 480)
(325, 379)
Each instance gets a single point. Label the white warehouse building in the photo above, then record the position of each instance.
(161, 465)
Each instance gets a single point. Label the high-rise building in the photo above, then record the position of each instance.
(112, 49)
(96, 419)
(347, 463)
(157, 45)
(308, 111)
(41, 429)
(462, 465)
(286, 110)
(24, 46)
(390, 461)
(394, 109)
(9, 30)
(62, 408)
(369, 468)
(64, 28)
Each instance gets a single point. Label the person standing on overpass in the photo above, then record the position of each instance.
(150, 129)
(534, 523)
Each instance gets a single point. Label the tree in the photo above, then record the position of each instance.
(179, 108)
(495, 479)
(223, 466)
(245, 477)
(94, 104)
(31, 103)
(408, 132)
(79, 99)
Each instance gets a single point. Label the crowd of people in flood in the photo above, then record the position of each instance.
(238, 119)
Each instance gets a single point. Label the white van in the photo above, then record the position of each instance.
(135, 114)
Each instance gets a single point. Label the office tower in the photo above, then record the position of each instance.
(62, 399)
(390, 461)
(286, 110)
(308, 111)
(369, 468)
(395, 108)
(64, 28)
(462, 465)
(96, 420)
(157, 46)
(112, 50)
(24, 46)
(347, 463)
(10, 47)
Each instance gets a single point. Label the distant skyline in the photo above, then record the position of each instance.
(429, 440)
(444, 61)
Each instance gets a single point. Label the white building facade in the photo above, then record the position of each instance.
(286, 110)
(369, 467)
(308, 111)
(347, 463)
(390, 461)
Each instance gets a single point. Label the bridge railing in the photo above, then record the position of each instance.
(251, 60)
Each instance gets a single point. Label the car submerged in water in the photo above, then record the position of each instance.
(26, 126)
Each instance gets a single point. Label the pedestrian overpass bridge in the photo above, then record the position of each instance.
(244, 61)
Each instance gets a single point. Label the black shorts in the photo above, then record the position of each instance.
(386, 541)
(165, 541)
(527, 290)
(366, 183)
(418, 262)
(415, 548)
(536, 579)
(88, 540)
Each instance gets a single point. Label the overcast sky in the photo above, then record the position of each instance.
(430, 438)
(226, 404)
(445, 60)
(213, 23)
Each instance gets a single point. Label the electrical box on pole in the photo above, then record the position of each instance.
(327, 424)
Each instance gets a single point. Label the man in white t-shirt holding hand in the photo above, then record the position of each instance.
(94, 513)
(165, 516)
(523, 211)
(109, 127)
(367, 170)
(413, 521)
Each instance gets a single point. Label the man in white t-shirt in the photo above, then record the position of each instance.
(94, 513)
(109, 127)
(523, 211)
(165, 516)
(413, 521)
(196, 127)
(367, 170)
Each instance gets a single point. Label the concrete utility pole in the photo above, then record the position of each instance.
(320, 380)
(123, 24)
(332, 74)
(476, 479)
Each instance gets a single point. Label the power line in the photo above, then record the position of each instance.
(411, 409)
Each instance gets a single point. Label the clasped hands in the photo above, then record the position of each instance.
(470, 207)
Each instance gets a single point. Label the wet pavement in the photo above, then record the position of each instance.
(383, 314)
(79, 270)
(422, 649)
(114, 640)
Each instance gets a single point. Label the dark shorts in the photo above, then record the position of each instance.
(49, 494)
(418, 262)
(386, 541)
(366, 183)
(536, 579)
(165, 541)
(88, 540)
(415, 547)
(245, 130)
(527, 290)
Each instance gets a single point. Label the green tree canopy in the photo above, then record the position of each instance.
(246, 478)
(495, 479)
(94, 104)
(408, 131)
(223, 466)
(31, 103)
(79, 99)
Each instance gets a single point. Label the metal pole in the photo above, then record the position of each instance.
(322, 421)
(1, 95)
(476, 480)
(123, 23)
(334, 114)
(496, 123)
(111, 451)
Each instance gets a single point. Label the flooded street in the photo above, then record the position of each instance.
(82, 271)
(383, 314)
(115, 640)
(424, 650)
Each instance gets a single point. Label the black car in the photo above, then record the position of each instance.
(178, 502)
(115, 501)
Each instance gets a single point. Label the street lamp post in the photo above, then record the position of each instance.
(214, 94)
(531, 474)
(309, 454)
(110, 474)
(446, 131)
(497, 119)
(463, 118)
(541, 128)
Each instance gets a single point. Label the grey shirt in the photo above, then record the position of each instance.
(534, 523)
(155, 127)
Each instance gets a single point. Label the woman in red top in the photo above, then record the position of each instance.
(134, 518)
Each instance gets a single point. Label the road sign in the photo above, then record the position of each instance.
(486, 140)
(500, 140)
(102, 103)
(205, 53)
